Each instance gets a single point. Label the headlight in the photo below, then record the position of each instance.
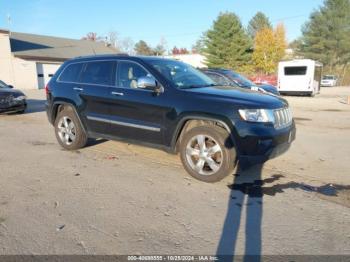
(19, 98)
(257, 115)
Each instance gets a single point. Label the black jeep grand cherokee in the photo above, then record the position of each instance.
(167, 104)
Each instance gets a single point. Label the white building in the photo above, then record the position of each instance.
(28, 61)
(195, 60)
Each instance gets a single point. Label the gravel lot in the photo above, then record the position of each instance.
(116, 198)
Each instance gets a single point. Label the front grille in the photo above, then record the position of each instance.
(283, 117)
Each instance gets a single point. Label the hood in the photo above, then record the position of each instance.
(4, 92)
(240, 96)
(269, 88)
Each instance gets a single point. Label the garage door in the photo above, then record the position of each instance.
(45, 72)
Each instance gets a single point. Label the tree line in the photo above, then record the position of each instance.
(127, 46)
(259, 47)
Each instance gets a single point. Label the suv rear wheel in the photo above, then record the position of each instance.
(207, 153)
(69, 132)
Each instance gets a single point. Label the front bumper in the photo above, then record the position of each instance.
(257, 148)
(328, 84)
(13, 107)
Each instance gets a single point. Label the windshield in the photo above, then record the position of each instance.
(3, 85)
(180, 74)
(328, 77)
(240, 80)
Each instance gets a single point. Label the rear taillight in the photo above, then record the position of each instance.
(47, 89)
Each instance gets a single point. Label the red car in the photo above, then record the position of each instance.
(264, 79)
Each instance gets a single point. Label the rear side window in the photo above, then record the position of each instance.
(100, 73)
(71, 73)
(295, 70)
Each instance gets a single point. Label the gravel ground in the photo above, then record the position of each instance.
(116, 198)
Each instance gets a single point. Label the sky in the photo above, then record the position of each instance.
(180, 22)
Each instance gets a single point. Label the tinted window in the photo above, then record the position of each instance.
(100, 73)
(295, 70)
(71, 73)
(3, 85)
(129, 73)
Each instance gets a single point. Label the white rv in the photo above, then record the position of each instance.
(302, 76)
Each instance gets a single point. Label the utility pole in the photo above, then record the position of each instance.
(9, 22)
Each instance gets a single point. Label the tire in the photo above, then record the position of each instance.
(68, 130)
(312, 94)
(216, 165)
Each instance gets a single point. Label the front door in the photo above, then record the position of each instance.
(136, 113)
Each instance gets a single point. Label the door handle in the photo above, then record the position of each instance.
(117, 93)
(78, 89)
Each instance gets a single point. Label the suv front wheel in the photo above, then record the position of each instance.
(207, 153)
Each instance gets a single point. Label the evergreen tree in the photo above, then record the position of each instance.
(326, 36)
(226, 44)
(257, 23)
(141, 48)
(199, 46)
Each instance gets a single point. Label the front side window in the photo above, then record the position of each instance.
(295, 70)
(71, 73)
(129, 73)
(98, 73)
(180, 74)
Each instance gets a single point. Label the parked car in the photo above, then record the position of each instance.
(329, 80)
(231, 78)
(170, 105)
(264, 80)
(11, 100)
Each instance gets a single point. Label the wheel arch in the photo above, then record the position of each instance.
(58, 106)
(188, 122)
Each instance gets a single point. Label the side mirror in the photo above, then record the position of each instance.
(10, 86)
(147, 82)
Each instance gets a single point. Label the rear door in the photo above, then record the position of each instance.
(96, 80)
(136, 113)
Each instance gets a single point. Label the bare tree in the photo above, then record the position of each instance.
(92, 36)
(113, 40)
(127, 46)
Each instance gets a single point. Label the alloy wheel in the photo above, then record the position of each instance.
(204, 155)
(66, 130)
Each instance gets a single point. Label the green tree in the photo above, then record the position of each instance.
(257, 23)
(326, 36)
(226, 43)
(199, 46)
(159, 50)
(142, 48)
